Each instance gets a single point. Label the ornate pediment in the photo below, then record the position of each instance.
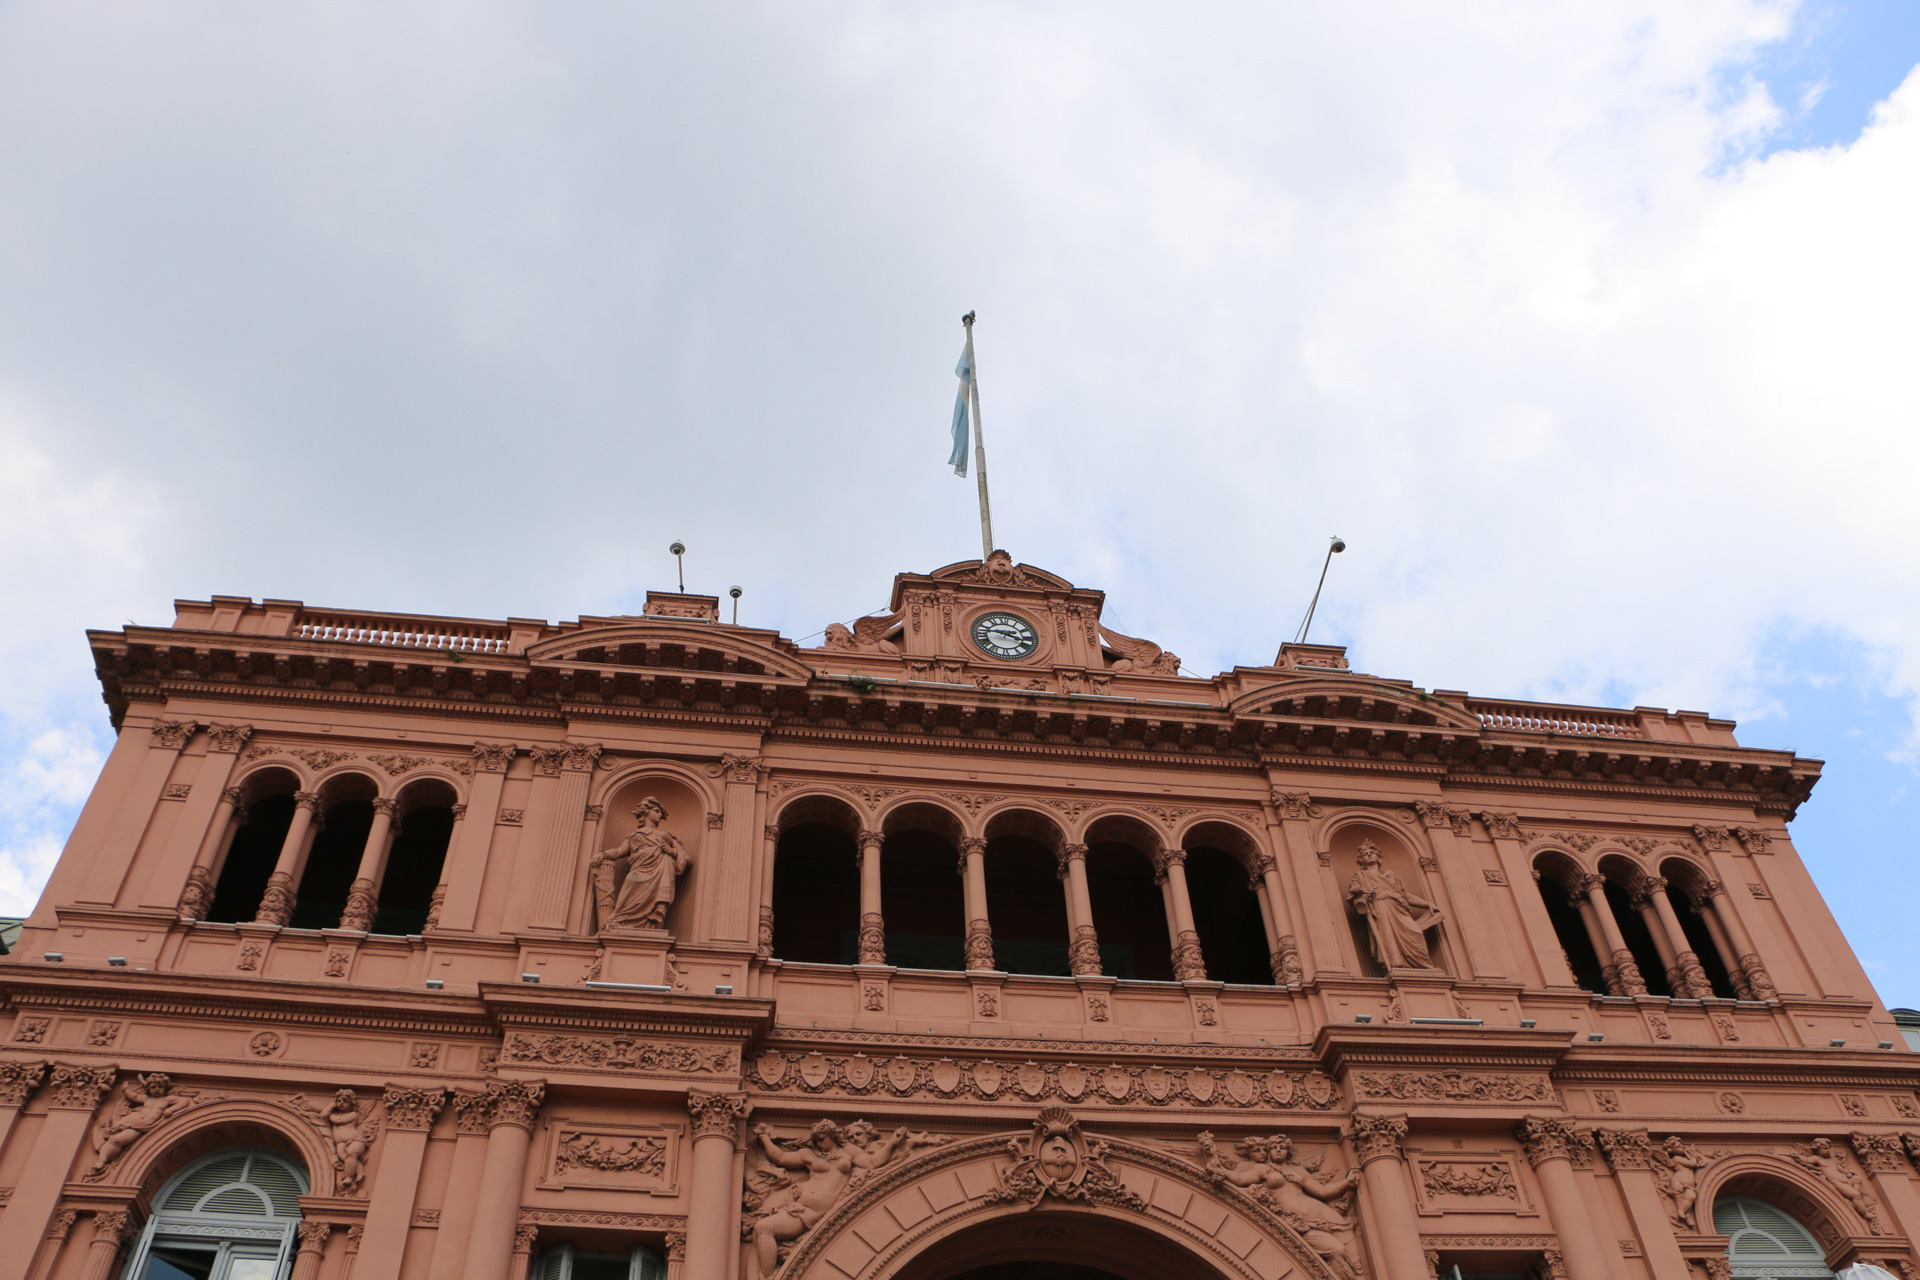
(1353, 699)
(680, 646)
(999, 570)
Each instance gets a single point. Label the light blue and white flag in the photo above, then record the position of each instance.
(965, 370)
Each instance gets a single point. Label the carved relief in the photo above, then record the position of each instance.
(737, 768)
(18, 1080)
(1397, 920)
(197, 895)
(1828, 1161)
(351, 1126)
(1317, 1205)
(1677, 1165)
(979, 945)
(617, 1053)
(172, 734)
(265, 1044)
(717, 1115)
(1753, 840)
(1880, 1152)
(1451, 1086)
(1377, 1137)
(620, 1156)
(31, 1030)
(514, 1102)
(493, 757)
(145, 1102)
(1503, 826)
(1058, 1160)
(1549, 1138)
(1712, 839)
(802, 1179)
(1473, 1179)
(228, 738)
(634, 881)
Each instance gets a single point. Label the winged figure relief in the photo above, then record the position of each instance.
(1140, 655)
(351, 1126)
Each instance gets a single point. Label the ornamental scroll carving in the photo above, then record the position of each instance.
(1316, 1202)
(616, 1053)
(803, 1178)
(1450, 1086)
(777, 1071)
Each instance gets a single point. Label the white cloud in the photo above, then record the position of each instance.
(473, 309)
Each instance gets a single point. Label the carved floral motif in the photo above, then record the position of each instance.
(1376, 1137)
(1490, 1178)
(411, 1109)
(1550, 1138)
(1452, 1086)
(615, 1053)
(79, 1088)
(717, 1115)
(18, 1080)
(228, 738)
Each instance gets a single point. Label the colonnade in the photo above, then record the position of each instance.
(1685, 975)
(1083, 941)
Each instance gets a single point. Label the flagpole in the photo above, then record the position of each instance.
(979, 445)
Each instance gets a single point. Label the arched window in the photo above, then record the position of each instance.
(227, 1216)
(1226, 914)
(1767, 1243)
(256, 846)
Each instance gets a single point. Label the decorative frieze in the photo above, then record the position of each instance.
(621, 1157)
(1450, 1086)
(857, 1075)
(618, 1053)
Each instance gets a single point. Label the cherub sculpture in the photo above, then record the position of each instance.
(352, 1126)
(1316, 1205)
(830, 1159)
(633, 882)
(145, 1102)
(1823, 1158)
(1677, 1165)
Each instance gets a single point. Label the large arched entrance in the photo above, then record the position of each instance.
(1057, 1246)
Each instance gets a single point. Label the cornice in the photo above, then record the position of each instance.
(461, 707)
(1033, 750)
(802, 1038)
(1795, 1067)
(1344, 1047)
(729, 1018)
(284, 1002)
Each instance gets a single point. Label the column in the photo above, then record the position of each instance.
(1630, 1152)
(466, 865)
(18, 1080)
(276, 904)
(1693, 978)
(410, 1114)
(1285, 952)
(463, 1187)
(512, 1109)
(1728, 959)
(363, 899)
(312, 1249)
(1885, 1161)
(114, 855)
(1083, 952)
(1749, 958)
(560, 853)
(873, 926)
(1509, 843)
(197, 895)
(1548, 1141)
(763, 936)
(1319, 899)
(712, 1194)
(76, 1096)
(49, 1250)
(1376, 1141)
(1641, 900)
(1626, 980)
(1170, 869)
(524, 1238)
(111, 1229)
(437, 904)
(973, 880)
(732, 869)
(1595, 939)
(205, 817)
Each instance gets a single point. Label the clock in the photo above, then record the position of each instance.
(1004, 635)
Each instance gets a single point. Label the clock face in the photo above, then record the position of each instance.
(1005, 636)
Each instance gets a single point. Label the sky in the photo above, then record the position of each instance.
(1591, 328)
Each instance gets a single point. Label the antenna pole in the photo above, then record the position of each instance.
(979, 445)
(1333, 545)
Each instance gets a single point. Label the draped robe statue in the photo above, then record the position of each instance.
(633, 882)
(1395, 920)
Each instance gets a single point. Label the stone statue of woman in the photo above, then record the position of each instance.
(1398, 931)
(653, 859)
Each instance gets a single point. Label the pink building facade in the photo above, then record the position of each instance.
(979, 941)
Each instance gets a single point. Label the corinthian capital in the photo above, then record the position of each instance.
(1377, 1137)
(717, 1115)
(1550, 1138)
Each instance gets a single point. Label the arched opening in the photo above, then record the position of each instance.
(816, 887)
(1027, 906)
(1129, 907)
(1683, 881)
(334, 858)
(1639, 938)
(421, 835)
(230, 1215)
(255, 849)
(922, 898)
(1226, 915)
(1056, 1246)
(1551, 873)
(1767, 1241)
